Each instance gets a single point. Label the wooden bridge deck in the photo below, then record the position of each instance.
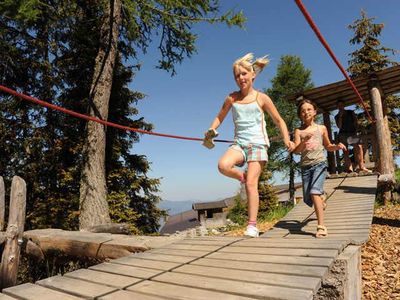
(287, 262)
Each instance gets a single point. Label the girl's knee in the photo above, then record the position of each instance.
(251, 185)
(223, 167)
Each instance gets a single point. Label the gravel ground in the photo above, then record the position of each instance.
(381, 256)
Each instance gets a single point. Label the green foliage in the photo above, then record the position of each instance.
(172, 22)
(291, 78)
(48, 51)
(275, 214)
(55, 263)
(369, 58)
(238, 213)
(397, 174)
(268, 198)
(268, 202)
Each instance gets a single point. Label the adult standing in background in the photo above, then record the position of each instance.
(346, 121)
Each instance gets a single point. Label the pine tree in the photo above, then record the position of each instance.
(291, 78)
(49, 51)
(373, 57)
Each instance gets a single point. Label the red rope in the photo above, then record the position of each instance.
(89, 118)
(325, 44)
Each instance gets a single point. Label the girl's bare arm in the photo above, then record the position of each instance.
(268, 106)
(327, 143)
(222, 113)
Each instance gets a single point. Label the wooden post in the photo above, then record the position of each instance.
(339, 167)
(15, 230)
(331, 155)
(383, 141)
(2, 203)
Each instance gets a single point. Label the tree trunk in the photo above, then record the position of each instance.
(384, 144)
(93, 191)
(2, 203)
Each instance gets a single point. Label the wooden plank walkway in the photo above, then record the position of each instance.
(287, 262)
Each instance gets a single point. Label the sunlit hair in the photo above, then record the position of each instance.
(253, 66)
(300, 104)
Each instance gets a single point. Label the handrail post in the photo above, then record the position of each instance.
(15, 230)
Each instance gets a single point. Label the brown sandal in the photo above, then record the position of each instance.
(321, 231)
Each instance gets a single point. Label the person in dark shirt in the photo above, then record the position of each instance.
(346, 121)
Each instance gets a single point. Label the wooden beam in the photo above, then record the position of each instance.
(15, 230)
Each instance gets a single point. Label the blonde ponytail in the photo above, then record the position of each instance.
(247, 62)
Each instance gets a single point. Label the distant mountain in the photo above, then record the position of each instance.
(176, 207)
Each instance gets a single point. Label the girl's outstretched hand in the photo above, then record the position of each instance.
(290, 147)
(342, 147)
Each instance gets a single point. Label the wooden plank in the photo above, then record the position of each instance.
(31, 291)
(181, 292)
(76, 287)
(108, 279)
(337, 226)
(291, 260)
(205, 242)
(283, 251)
(5, 297)
(241, 288)
(145, 263)
(297, 244)
(313, 271)
(291, 281)
(343, 222)
(303, 230)
(351, 238)
(129, 295)
(208, 248)
(177, 252)
(226, 239)
(126, 270)
(163, 257)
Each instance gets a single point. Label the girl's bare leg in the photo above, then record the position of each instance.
(253, 173)
(228, 161)
(319, 208)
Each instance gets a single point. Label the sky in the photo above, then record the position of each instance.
(186, 103)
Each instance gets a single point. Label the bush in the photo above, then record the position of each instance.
(238, 213)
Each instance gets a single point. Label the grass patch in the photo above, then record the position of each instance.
(238, 213)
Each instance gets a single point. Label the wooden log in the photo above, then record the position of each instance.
(2, 203)
(386, 179)
(34, 250)
(2, 238)
(15, 230)
(380, 132)
(385, 157)
(84, 244)
(114, 228)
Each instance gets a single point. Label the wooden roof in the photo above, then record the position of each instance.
(326, 97)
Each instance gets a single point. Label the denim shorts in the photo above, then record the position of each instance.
(313, 178)
(252, 152)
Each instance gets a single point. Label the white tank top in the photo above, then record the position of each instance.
(249, 123)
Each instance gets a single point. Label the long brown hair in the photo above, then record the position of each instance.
(300, 104)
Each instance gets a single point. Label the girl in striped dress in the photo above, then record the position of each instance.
(251, 140)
